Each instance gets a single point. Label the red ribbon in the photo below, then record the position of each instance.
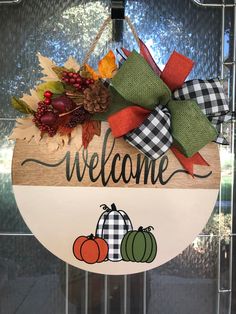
(126, 52)
(147, 55)
(127, 119)
(176, 70)
(188, 163)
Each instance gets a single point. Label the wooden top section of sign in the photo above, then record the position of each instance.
(109, 162)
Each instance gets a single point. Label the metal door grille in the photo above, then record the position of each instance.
(28, 272)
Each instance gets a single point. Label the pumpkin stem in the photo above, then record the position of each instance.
(140, 228)
(113, 206)
(150, 228)
(91, 237)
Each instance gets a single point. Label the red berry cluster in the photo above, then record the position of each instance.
(49, 111)
(76, 80)
(45, 118)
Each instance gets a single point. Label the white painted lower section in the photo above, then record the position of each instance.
(58, 215)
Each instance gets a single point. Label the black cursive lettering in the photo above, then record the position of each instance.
(113, 167)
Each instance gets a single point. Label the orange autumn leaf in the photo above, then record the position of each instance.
(94, 74)
(107, 66)
(89, 129)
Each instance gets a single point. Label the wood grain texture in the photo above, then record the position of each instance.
(115, 153)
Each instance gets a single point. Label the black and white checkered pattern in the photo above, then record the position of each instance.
(153, 137)
(112, 227)
(210, 96)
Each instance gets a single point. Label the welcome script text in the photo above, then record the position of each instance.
(107, 166)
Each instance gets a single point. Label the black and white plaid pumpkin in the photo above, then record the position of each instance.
(112, 226)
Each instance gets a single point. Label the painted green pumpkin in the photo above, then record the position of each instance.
(139, 246)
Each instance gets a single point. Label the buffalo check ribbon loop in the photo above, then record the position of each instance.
(153, 137)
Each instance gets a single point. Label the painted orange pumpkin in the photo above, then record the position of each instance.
(90, 249)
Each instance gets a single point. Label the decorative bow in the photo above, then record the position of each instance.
(158, 119)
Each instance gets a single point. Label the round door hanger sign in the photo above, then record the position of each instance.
(109, 209)
(116, 169)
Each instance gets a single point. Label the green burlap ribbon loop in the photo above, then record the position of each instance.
(190, 127)
(137, 83)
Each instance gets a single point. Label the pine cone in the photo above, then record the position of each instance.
(96, 98)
